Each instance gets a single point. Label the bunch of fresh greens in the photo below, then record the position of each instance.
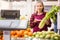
(49, 15)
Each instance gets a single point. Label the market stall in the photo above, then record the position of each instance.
(14, 26)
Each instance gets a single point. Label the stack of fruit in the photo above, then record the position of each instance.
(21, 33)
(1, 35)
(46, 35)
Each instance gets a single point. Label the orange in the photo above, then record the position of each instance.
(12, 32)
(0, 37)
(26, 33)
(21, 32)
(30, 34)
(12, 35)
(16, 36)
(16, 32)
(28, 29)
(21, 36)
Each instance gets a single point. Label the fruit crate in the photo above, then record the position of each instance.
(28, 39)
(21, 38)
(39, 39)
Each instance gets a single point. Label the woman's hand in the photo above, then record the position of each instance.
(47, 22)
(37, 20)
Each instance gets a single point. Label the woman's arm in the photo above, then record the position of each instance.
(32, 22)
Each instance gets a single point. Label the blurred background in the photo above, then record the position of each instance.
(26, 7)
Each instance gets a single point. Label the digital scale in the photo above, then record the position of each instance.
(10, 22)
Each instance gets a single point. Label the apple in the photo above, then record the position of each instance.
(56, 38)
(37, 36)
(47, 36)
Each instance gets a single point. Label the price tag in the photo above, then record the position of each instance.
(6, 35)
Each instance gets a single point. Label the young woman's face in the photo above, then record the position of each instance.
(39, 7)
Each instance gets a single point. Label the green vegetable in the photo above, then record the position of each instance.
(49, 14)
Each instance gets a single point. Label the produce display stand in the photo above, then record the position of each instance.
(11, 22)
(8, 25)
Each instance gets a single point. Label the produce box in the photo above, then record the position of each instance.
(39, 39)
(28, 35)
(28, 39)
(21, 38)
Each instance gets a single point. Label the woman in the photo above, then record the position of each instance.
(37, 17)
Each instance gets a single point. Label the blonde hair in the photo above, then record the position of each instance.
(35, 6)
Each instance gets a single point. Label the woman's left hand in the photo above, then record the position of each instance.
(47, 22)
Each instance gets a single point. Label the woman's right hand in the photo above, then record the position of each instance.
(36, 20)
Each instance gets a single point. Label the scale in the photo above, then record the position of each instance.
(10, 22)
